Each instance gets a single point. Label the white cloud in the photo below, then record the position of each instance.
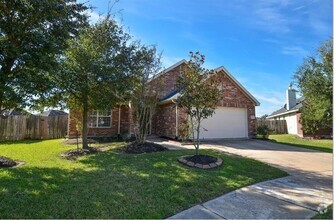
(271, 100)
(271, 20)
(298, 8)
(294, 50)
(169, 61)
(93, 16)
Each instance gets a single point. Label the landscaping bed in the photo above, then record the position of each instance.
(7, 162)
(76, 153)
(201, 161)
(147, 147)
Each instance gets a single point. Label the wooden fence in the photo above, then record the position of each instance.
(21, 127)
(275, 126)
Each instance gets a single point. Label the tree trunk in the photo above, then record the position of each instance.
(1, 97)
(197, 138)
(84, 126)
(193, 131)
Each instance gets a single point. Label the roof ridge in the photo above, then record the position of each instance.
(167, 69)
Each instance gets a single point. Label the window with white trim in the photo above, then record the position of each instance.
(100, 119)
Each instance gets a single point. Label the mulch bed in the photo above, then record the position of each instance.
(201, 161)
(76, 153)
(74, 141)
(147, 147)
(7, 162)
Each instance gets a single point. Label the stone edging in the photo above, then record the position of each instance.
(184, 161)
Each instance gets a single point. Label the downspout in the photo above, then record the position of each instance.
(150, 132)
(130, 119)
(176, 120)
(177, 113)
(119, 122)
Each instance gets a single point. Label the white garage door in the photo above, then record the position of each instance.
(225, 123)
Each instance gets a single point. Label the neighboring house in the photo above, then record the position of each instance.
(291, 113)
(233, 118)
(14, 112)
(53, 113)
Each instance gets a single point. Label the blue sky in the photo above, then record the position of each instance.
(261, 42)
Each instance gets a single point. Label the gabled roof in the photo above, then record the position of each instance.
(54, 113)
(14, 112)
(243, 89)
(18, 112)
(283, 111)
(175, 93)
(168, 69)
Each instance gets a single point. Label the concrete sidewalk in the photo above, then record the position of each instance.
(283, 198)
(299, 196)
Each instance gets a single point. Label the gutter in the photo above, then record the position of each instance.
(176, 119)
(119, 120)
(284, 113)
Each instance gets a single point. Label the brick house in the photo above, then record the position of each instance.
(291, 114)
(233, 118)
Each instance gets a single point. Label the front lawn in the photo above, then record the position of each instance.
(113, 185)
(324, 145)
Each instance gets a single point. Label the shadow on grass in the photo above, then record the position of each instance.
(122, 186)
(27, 141)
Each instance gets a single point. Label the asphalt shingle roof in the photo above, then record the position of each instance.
(283, 110)
(53, 113)
(169, 95)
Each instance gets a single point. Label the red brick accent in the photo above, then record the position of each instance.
(164, 121)
(232, 96)
(166, 82)
(299, 125)
(125, 125)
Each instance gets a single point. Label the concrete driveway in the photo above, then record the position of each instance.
(307, 190)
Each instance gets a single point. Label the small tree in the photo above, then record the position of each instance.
(144, 97)
(199, 93)
(315, 80)
(97, 70)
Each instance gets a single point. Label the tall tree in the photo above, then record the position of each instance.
(315, 80)
(31, 34)
(144, 97)
(97, 70)
(199, 93)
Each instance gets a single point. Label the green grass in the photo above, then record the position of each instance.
(111, 185)
(327, 215)
(324, 145)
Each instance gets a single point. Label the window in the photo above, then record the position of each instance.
(100, 119)
(220, 87)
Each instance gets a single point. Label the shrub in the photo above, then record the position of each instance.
(263, 131)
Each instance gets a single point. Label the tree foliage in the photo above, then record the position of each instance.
(97, 70)
(315, 80)
(144, 97)
(32, 33)
(199, 93)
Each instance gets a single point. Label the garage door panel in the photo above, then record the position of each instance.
(225, 123)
